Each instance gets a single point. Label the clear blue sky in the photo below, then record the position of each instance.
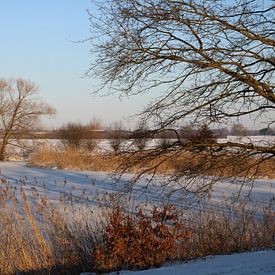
(36, 44)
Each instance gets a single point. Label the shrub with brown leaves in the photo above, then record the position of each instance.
(141, 241)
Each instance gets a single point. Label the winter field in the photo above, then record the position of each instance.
(86, 189)
(86, 186)
(82, 197)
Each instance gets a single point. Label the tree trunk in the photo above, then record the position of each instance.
(3, 148)
(2, 155)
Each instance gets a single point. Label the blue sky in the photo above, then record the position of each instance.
(37, 44)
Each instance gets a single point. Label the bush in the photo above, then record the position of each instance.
(89, 145)
(200, 135)
(77, 136)
(141, 241)
(140, 136)
(72, 134)
(165, 234)
(116, 136)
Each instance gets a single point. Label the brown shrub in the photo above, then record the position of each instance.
(141, 241)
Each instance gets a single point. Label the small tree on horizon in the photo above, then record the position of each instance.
(71, 135)
(116, 137)
(140, 135)
(238, 129)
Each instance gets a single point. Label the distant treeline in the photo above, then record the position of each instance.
(237, 130)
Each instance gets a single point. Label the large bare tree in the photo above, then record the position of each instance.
(20, 111)
(212, 62)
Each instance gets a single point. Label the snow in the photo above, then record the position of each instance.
(248, 263)
(86, 186)
(256, 140)
(260, 263)
(103, 145)
(56, 183)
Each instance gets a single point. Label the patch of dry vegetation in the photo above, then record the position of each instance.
(166, 234)
(187, 163)
(37, 237)
(141, 241)
(204, 163)
(74, 159)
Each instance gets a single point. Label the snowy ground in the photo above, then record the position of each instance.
(258, 263)
(85, 187)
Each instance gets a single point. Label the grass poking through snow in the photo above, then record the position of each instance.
(37, 237)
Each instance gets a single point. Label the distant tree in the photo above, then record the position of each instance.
(238, 130)
(140, 135)
(203, 134)
(20, 111)
(186, 132)
(267, 131)
(163, 142)
(78, 136)
(90, 140)
(223, 132)
(94, 124)
(72, 134)
(92, 134)
(116, 136)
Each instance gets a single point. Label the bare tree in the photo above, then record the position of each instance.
(200, 135)
(116, 137)
(238, 130)
(78, 136)
(72, 134)
(212, 60)
(20, 111)
(93, 133)
(94, 125)
(141, 135)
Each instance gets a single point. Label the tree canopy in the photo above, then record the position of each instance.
(20, 111)
(212, 61)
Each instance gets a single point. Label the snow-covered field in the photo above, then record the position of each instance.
(85, 187)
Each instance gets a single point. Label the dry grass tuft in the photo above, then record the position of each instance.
(37, 238)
